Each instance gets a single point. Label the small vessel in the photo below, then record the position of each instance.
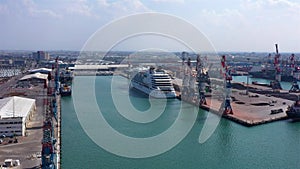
(293, 111)
(65, 90)
(154, 82)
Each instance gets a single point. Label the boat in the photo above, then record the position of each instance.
(293, 111)
(65, 90)
(154, 82)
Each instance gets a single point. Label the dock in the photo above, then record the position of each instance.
(58, 144)
(253, 109)
(260, 106)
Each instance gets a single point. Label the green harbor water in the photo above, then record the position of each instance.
(231, 146)
(243, 79)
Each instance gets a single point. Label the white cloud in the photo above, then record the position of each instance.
(282, 3)
(252, 25)
(81, 7)
(234, 24)
(106, 9)
(275, 5)
(169, 1)
(228, 18)
(129, 6)
(3, 9)
(34, 10)
(115, 9)
(26, 8)
(103, 3)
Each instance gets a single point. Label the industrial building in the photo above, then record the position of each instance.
(15, 113)
(33, 79)
(40, 70)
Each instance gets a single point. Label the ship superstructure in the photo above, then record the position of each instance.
(154, 82)
(294, 110)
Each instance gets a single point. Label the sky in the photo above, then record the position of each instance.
(230, 25)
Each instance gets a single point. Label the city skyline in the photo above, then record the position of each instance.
(234, 25)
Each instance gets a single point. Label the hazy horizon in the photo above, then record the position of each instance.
(63, 50)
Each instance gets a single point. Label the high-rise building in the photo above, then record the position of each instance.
(41, 55)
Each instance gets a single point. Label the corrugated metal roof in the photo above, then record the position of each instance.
(15, 106)
(94, 67)
(40, 70)
(36, 75)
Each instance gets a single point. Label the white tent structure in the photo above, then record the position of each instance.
(15, 112)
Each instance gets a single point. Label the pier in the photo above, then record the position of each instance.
(248, 110)
(58, 145)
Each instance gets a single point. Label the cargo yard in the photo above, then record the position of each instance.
(27, 149)
(249, 109)
(246, 104)
(37, 143)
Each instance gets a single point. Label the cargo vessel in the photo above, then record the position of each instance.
(293, 111)
(65, 90)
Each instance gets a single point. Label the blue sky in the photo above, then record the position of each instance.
(231, 25)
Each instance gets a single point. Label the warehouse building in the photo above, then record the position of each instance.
(40, 70)
(33, 79)
(15, 113)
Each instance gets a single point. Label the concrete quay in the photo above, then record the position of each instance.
(262, 105)
(58, 133)
(250, 109)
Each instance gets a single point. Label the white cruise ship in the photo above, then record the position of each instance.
(155, 83)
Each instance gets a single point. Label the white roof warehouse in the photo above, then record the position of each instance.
(15, 112)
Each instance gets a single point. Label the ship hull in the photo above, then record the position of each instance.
(293, 115)
(69, 93)
(153, 93)
(65, 91)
